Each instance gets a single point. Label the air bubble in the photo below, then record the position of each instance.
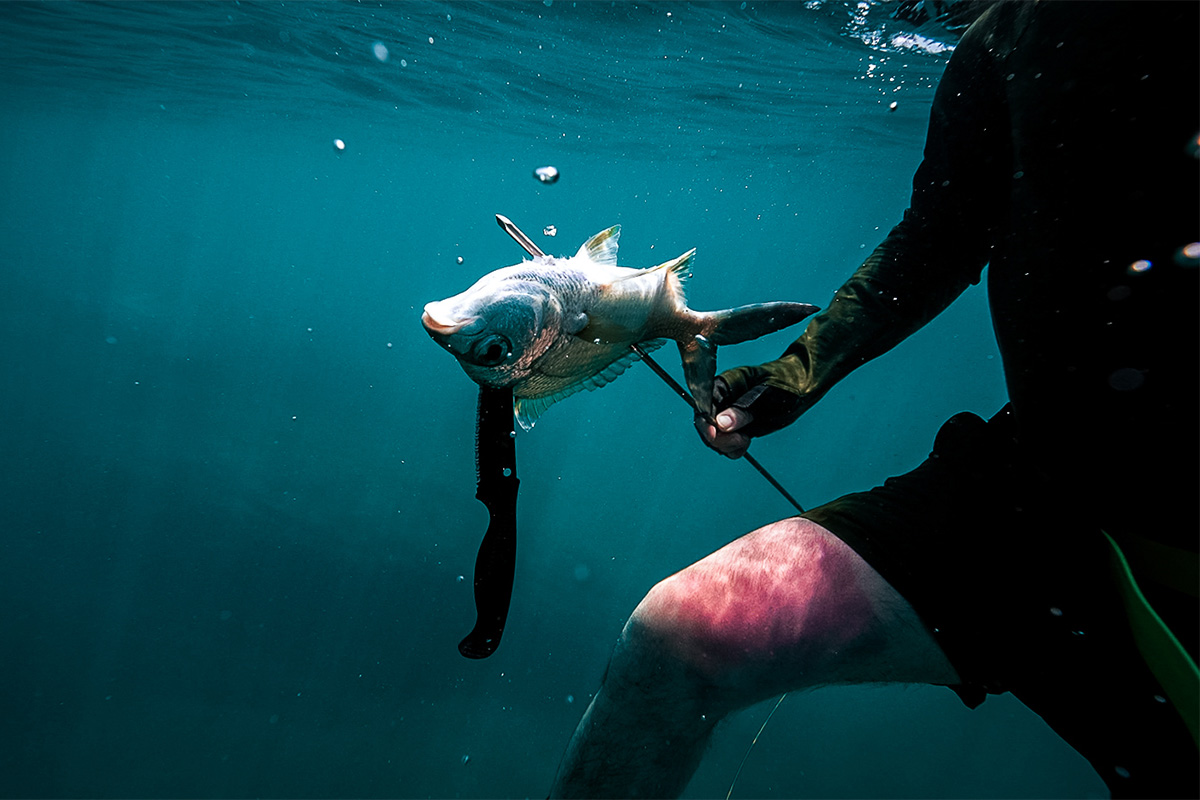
(546, 174)
(459, 259)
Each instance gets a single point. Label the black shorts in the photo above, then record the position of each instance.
(1020, 596)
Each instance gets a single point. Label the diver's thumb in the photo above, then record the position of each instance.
(733, 419)
(763, 409)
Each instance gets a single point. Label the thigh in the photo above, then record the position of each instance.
(790, 606)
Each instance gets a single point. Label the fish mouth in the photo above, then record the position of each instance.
(442, 327)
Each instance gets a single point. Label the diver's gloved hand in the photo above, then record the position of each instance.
(753, 401)
(876, 308)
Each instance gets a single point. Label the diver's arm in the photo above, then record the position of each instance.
(937, 250)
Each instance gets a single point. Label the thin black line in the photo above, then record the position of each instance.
(679, 390)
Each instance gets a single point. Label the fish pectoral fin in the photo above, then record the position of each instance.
(602, 331)
(528, 409)
(574, 323)
(602, 248)
(699, 357)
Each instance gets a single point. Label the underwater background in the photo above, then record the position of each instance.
(238, 514)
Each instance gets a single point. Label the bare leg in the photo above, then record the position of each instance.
(786, 607)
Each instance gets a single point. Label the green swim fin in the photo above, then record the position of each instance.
(1170, 663)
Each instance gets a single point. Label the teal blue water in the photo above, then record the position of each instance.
(238, 512)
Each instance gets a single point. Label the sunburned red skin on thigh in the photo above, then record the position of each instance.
(771, 595)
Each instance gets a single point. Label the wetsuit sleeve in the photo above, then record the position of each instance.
(939, 248)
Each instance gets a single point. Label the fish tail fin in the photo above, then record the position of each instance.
(741, 324)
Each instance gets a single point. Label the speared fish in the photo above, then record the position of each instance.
(550, 327)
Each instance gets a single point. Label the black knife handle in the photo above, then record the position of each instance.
(495, 566)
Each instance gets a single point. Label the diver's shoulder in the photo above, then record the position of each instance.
(997, 29)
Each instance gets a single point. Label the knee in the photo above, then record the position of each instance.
(783, 596)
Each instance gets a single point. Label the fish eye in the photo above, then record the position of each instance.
(491, 350)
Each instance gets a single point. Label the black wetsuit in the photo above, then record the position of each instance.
(1061, 154)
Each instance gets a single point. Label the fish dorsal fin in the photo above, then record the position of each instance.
(680, 266)
(679, 269)
(528, 409)
(602, 248)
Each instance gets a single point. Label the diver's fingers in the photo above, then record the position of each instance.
(726, 442)
(732, 445)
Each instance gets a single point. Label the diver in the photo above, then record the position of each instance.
(1049, 551)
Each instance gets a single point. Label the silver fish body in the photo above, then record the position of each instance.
(551, 327)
